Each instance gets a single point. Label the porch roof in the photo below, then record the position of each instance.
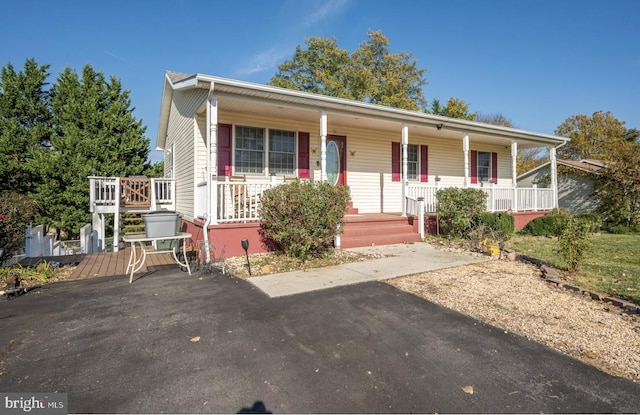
(279, 102)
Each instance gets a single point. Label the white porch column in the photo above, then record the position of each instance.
(405, 182)
(212, 160)
(465, 150)
(554, 175)
(514, 173)
(323, 146)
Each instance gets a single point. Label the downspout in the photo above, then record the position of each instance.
(554, 167)
(207, 219)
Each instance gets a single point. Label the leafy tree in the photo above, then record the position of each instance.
(25, 123)
(528, 159)
(391, 79)
(494, 119)
(322, 68)
(455, 108)
(619, 186)
(95, 134)
(591, 136)
(370, 74)
(631, 134)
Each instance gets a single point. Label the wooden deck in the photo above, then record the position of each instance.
(115, 263)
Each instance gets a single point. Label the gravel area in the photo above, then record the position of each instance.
(513, 296)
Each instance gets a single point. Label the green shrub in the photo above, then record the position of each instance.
(303, 218)
(16, 211)
(560, 212)
(458, 208)
(549, 225)
(574, 242)
(618, 229)
(502, 224)
(594, 221)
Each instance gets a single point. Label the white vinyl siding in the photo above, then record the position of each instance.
(181, 134)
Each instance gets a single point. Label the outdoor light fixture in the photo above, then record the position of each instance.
(245, 246)
(439, 126)
(13, 285)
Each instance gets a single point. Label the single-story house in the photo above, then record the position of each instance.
(226, 141)
(576, 182)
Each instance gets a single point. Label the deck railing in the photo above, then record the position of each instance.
(109, 193)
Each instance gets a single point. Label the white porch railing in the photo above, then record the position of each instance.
(239, 201)
(499, 199)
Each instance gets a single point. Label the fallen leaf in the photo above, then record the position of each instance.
(468, 389)
(195, 339)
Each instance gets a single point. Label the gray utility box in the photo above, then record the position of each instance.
(161, 223)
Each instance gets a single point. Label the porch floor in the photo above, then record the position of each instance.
(115, 263)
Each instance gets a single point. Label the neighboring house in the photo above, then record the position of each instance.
(226, 141)
(576, 182)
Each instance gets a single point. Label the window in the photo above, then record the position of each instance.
(282, 152)
(417, 162)
(484, 166)
(252, 151)
(249, 155)
(412, 161)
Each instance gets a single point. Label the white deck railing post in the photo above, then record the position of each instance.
(535, 197)
(154, 195)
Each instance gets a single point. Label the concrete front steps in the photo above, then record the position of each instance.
(378, 229)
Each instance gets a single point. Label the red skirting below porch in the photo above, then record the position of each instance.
(522, 218)
(361, 230)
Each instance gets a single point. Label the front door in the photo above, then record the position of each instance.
(337, 159)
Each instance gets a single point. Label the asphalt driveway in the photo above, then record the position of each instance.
(172, 343)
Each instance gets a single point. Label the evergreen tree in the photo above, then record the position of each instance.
(25, 124)
(95, 134)
(455, 108)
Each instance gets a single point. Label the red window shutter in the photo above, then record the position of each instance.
(474, 166)
(224, 150)
(303, 155)
(395, 162)
(424, 163)
(494, 167)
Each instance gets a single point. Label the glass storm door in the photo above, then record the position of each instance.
(336, 159)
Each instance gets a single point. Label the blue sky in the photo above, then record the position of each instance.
(536, 62)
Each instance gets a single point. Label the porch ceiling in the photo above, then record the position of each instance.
(340, 119)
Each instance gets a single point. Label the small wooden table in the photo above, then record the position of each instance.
(136, 263)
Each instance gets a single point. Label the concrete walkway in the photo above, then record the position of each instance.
(401, 260)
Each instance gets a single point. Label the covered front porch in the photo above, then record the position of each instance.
(236, 211)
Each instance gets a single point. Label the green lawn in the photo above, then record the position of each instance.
(612, 266)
